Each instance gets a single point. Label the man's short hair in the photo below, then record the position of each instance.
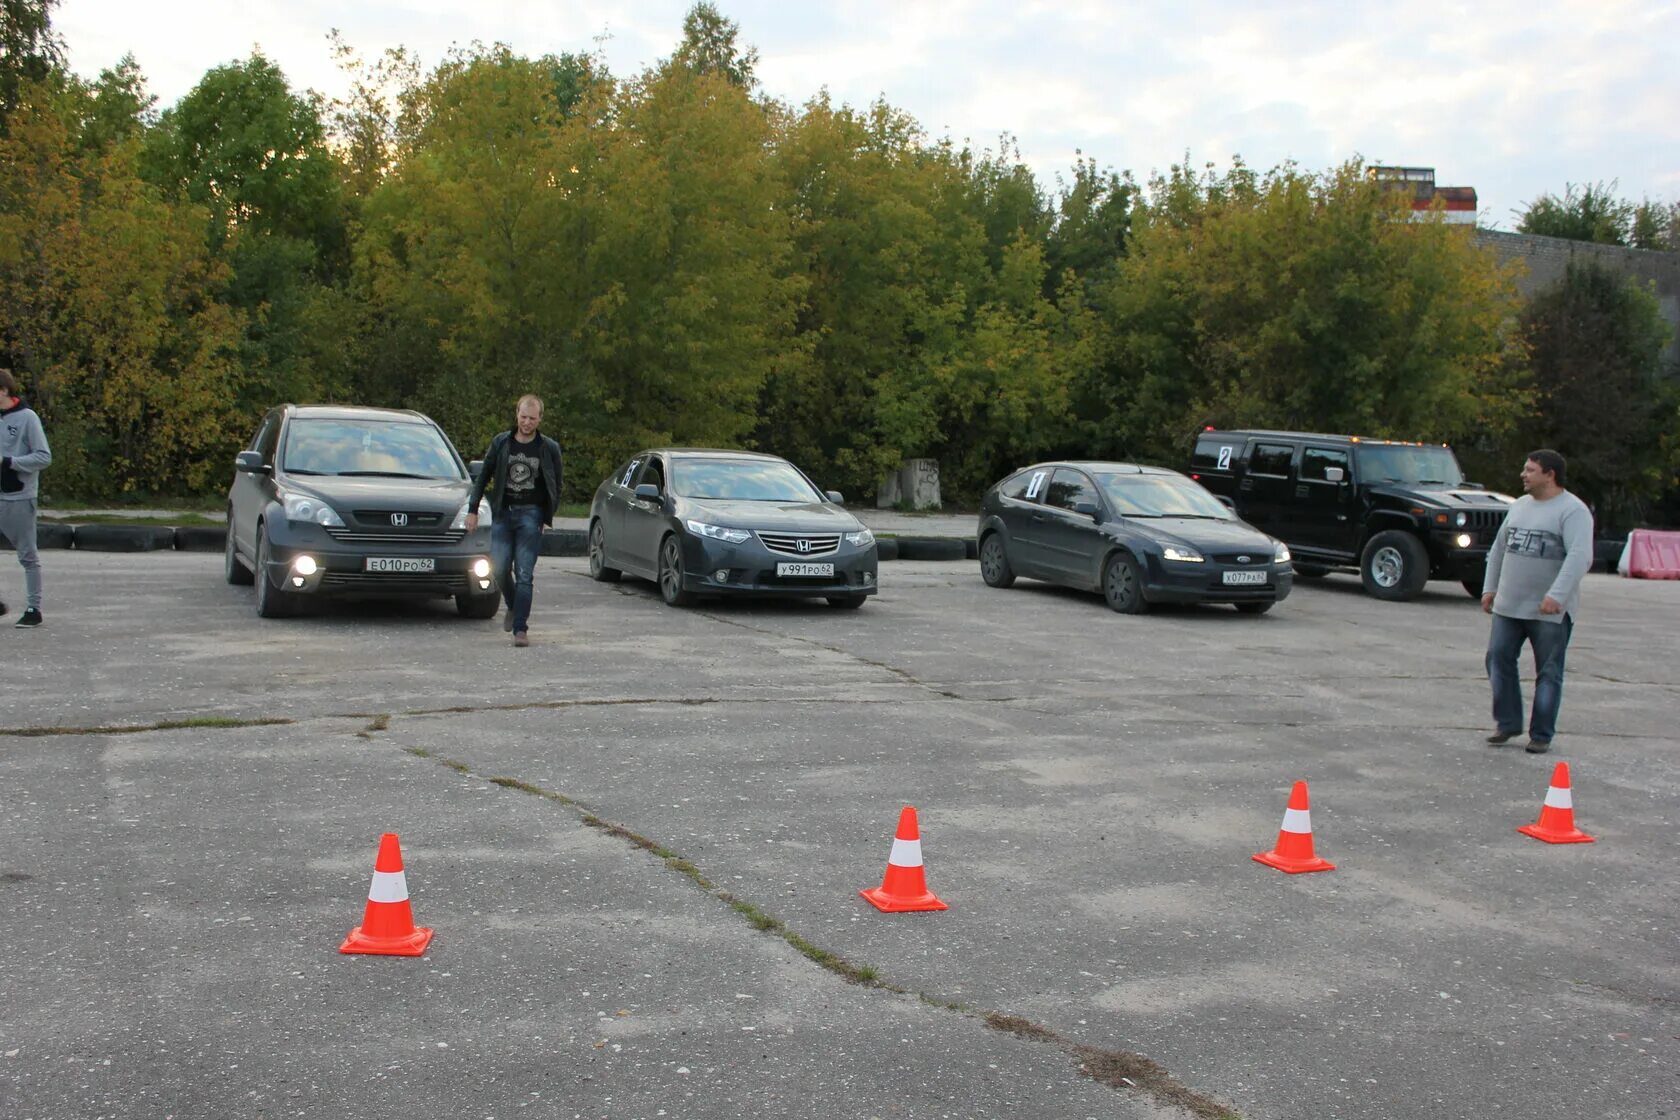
(529, 398)
(8, 383)
(1550, 462)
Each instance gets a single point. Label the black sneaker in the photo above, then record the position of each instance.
(507, 622)
(30, 617)
(2, 606)
(1500, 738)
(1535, 746)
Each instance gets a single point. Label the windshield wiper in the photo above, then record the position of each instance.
(303, 470)
(385, 474)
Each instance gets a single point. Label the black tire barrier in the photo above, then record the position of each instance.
(932, 548)
(48, 534)
(1607, 553)
(971, 548)
(565, 542)
(124, 538)
(886, 548)
(200, 538)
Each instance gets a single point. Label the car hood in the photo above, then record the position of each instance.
(1204, 535)
(815, 517)
(1453, 497)
(422, 495)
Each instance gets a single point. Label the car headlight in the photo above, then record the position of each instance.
(1182, 555)
(860, 540)
(303, 507)
(717, 532)
(460, 521)
(1281, 556)
(1462, 520)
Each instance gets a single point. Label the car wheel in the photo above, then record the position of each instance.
(598, 569)
(1255, 608)
(1123, 585)
(994, 562)
(846, 602)
(1310, 571)
(233, 569)
(671, 574)
(1394, 566)
(478, 606)
(272, 602)
(1473, 586)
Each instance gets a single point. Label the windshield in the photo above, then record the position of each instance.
(1397, 463)
(1160, 495)
(372, 448)
(747, 480)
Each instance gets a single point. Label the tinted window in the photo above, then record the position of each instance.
(1160, 495)
(1213, 455)
(386, 448)
(1024, 487)
(1314, 461)
(1068, 487)
(268, 437)
(653, 474)
(1270, 458)
(752, 480)
(627, 472)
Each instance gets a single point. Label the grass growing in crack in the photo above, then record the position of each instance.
(418, 752)
(190, 722)
(381, 722)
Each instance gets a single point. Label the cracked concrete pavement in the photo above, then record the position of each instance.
(1090, 786)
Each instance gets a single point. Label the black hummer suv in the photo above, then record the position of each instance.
(1399, 512)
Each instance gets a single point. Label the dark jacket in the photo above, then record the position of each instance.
(495, 466)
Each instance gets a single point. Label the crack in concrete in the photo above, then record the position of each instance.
(1118, 1069)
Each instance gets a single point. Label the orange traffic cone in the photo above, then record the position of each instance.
(904, 888)
(387, 927)
(1294, 851)
(1557, 813)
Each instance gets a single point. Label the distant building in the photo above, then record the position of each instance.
(1458, 203)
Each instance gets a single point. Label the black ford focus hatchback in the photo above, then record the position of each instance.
(364, 502)
(1139, 535)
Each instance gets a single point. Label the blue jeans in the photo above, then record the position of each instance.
(1548, 640)
(515, 542)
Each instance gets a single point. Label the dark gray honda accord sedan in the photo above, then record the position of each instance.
(1139, 535)
(728, 523)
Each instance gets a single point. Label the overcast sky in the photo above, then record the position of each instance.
(1512, 98)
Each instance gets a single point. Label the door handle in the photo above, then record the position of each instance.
(1301, 490)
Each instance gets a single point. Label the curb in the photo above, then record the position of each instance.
(932, 548)
(124, 538)
(565, 542)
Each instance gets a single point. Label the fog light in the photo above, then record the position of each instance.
(484, 585)
(1464, 540)
(481, 569)
(297, 581)
(304, 566)
(868, 577)
(723, 575)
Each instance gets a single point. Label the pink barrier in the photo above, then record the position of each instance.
(1651, 555)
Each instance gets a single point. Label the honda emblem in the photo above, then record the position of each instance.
(399, 519)
(804, 545)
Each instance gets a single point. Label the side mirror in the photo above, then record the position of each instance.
(647, 492)
(835, 496)
(251, 462)
(1334, 474)
(1089, 509)
(1227, 502)
(475, 469)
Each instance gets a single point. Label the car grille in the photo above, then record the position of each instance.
(1483, 520)
(381, 518)
(394, 581)
(788, 543)
(1252, 558)
(397, 537)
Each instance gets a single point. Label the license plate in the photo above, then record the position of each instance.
(400, 564)
(1245, 577)
(805, 570)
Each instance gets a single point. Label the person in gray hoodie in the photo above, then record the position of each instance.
(1532, 590)
(24, 454)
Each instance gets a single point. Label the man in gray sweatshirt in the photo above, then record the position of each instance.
(24, 454)
(1532, 589)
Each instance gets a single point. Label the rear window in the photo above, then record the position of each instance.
(1024, 487)
(1213, 455)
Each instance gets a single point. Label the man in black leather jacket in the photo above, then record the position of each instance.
(526, 467)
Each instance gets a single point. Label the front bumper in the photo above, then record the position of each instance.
(1449, 561)
(1169, 581)
(749, 568)
(341, 569)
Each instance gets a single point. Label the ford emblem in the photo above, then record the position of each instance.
(1242, 559)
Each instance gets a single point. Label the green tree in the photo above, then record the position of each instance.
(1296, 301)
(1587, 213)
(1656, 226)
(1603, 400)
(708, 47)
(118, 108)
(30, 51)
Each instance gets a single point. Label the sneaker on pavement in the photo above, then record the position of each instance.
(1538, 746)
(30, 617)
(1500, 738)
(507, 622)
(2, 606)
(521, 639)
